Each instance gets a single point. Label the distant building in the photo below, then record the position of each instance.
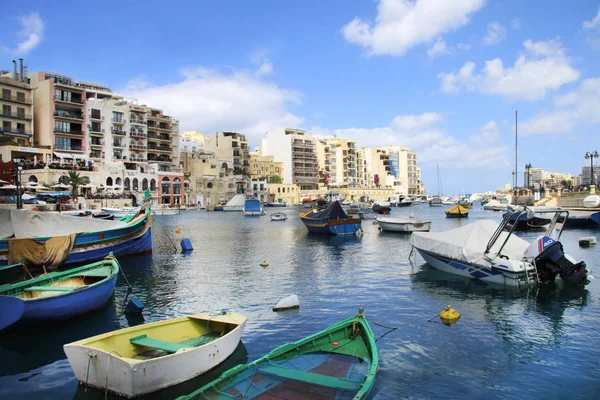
(337, 161)
(537, 177)
(265, 166)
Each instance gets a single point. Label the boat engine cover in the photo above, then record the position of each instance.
(552, 261)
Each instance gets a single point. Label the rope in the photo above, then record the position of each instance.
(87, 374)
(164, 229)
(129, 287)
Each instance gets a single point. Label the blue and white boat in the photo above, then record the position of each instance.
(58, 295)
(83, 240)
(252, 207)
(331, 221)
(490, 252)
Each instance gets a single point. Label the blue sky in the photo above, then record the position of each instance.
(444, 77)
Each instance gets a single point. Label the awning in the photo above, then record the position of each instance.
(63, 155)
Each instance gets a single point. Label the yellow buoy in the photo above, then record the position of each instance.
(449, 315)
(177, 230)
(264, 264)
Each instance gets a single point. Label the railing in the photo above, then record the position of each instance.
(118, 132)
(165, 127)
(97, 143)
(94, 130)
(137, 121)
(67, 114)
(153, 136)
(118, 144)
(115, 121)
(137, 146)
(16, 98)
(16, 114)
(100, 118)
(65, 132)
(162, 137)
(73, 101)
(139, 134)
(71, 148)
(138, 159)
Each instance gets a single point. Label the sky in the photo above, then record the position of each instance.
(442, 77)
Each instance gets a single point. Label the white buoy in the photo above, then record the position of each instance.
(287, 303)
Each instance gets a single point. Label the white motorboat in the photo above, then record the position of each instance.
(403, 225)
(495, 205)
(236, 203)
(165, 210)
(120, 212)
(489, 251)
(278, 217)
(145, 358)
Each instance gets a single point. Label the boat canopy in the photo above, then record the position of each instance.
(494, 203)
(252, 205)
(34, 224)
(334, 211)
(468, 243)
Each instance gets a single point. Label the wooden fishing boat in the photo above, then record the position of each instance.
(340, 362)
(11, 273)
(458, 211)
(58, 295)
(333, 221)
(94, 238)
(145, 358)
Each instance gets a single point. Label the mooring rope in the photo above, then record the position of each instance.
(87, 373)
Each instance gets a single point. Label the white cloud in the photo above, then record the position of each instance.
(594, 23)
(402, 24)
(208, 100)
(463, 46)
(516, 24)
(432, 145)
(541, 67)
(266, 68)
(440, 47)
(30, 35)
(570, 111)
(495, 34)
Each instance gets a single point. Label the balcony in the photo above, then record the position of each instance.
(68, 115)
(164, 149)
(97, 117)
(68, 148)
(66, 132)
(138, 121)
(118, 132)
(152, 117)
(97, 143)
(15, 114)
(16, 99)
(69, 101)
(166, 138)
(19, 133)
(96, 154)
(118, 122)
(137, 134)
(119, 157)
(134, 146)
(137, 159)
(118, 144)
(164, 127)
(95, 130)
(152, 136)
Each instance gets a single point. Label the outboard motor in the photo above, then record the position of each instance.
(550, 260)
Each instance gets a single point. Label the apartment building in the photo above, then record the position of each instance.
(16, 118)
(211, 178)
(537, 177)
(297, 150)
(337, 161)
(191, 141)
(234, 146)
(264, 166)
(59, 106)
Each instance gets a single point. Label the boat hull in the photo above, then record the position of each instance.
(404, 227)
(333, 227)
(132, 377)
(473, 271)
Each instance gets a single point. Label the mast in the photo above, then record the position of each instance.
(516, 174)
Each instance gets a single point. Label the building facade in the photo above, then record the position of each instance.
(265, 166)
(234, 146)
(337, 162)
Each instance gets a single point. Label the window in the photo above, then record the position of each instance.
(6, 93)
(60, 126)
(135, 184)
(95, 114)
(20, 127)
(96, 127)
(6, 126)
(20, 112)
(6, 110)
(144, 184)
(209, 185)
(109, 181)
(117, 117)
(118, 182)
(21, 97)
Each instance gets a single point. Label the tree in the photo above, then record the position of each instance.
(566, 183)
(74, 179)
(275, 179)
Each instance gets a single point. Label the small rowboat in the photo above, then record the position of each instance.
(403, 225)
(278, 217)
(339, 362)
(145, 358)
(59, 295)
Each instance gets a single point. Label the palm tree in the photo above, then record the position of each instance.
(74, 179)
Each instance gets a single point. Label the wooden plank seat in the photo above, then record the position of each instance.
(309, 377)
(50, 288)
(99, 272)
(167, 347)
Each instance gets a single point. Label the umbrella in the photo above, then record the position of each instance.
(8, 187)
(31, 183)
(27, 196)
(61, 186)
(42, 187)
(88, 186)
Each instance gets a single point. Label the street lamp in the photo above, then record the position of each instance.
(527, 168)
(591, 156)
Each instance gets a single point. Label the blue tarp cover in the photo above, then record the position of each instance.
(252, 205)
(334, 211)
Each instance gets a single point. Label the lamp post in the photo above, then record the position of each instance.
(591, 155)
(527, 168)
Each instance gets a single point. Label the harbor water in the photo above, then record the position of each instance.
(535, 343)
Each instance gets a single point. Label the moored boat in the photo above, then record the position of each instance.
(435, 202)
(61, 239)
(145, 358)
(276, 205)
(120, 212)
(235, 204)
(278, 217)
(458, 211)
(333, 220)
(252, 207)
(59, 295)
(381, 208)
(339, 362)
(490, 252)
(405, 225)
